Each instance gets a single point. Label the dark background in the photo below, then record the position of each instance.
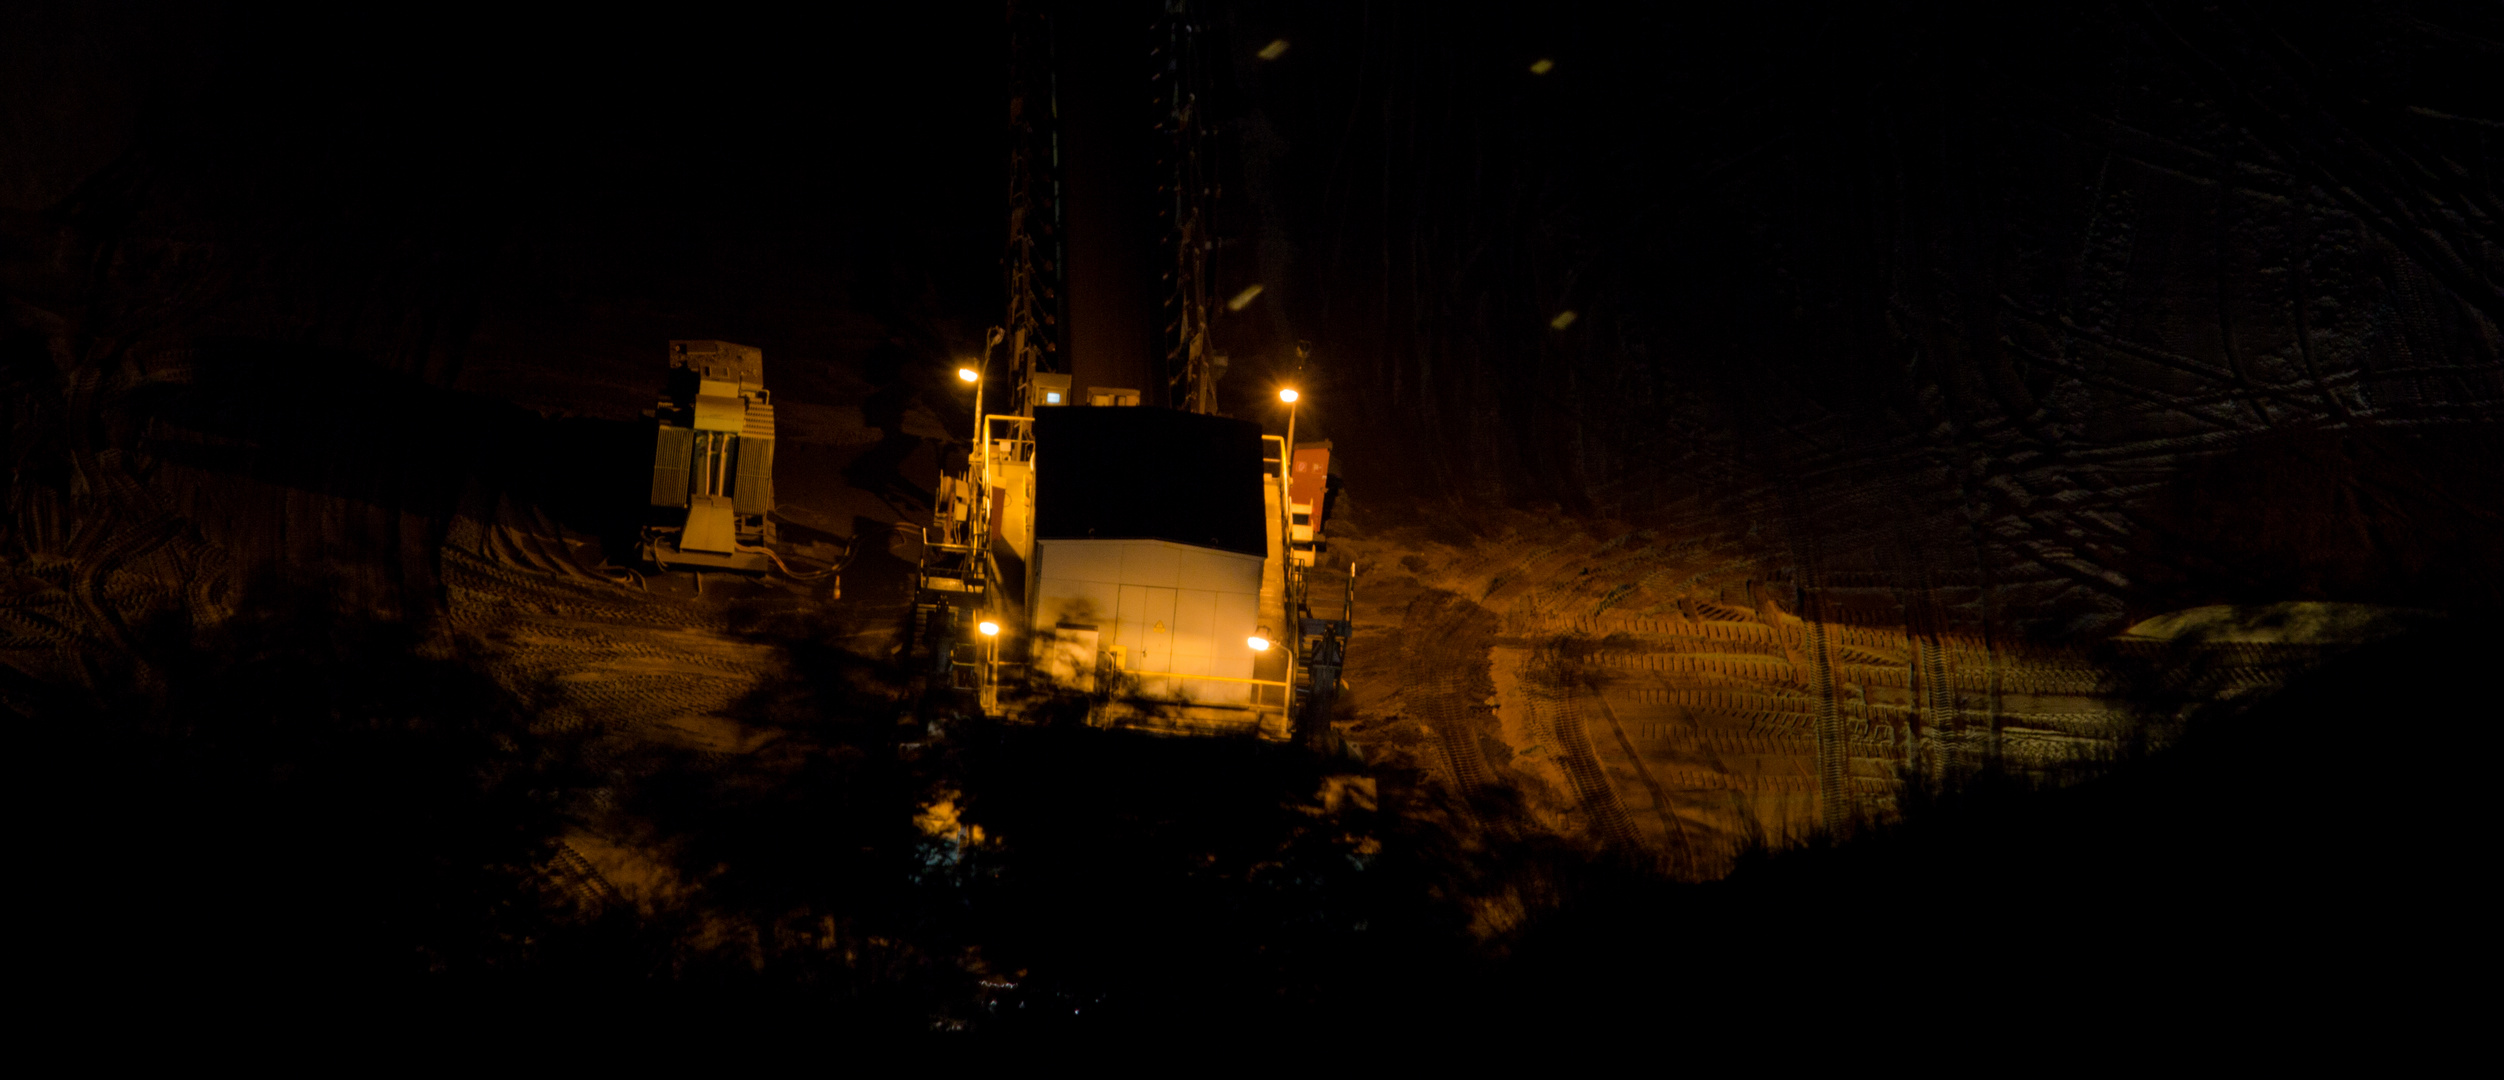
(2120, 307)
(2115, 308)
(2134, 307)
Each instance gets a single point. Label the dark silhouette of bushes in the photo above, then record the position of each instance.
(302, 797)
(302, 804)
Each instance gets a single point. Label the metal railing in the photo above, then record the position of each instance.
(1292, 585)
(1284, 689)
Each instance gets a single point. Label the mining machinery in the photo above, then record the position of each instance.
(712, 462)
(1124, 552)
(1157, 566)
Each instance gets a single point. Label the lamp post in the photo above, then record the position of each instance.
(1286, 476)
(978, 474)
(1287, 468)
(1286, 537)
(980, 477)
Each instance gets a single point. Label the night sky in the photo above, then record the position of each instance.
(1994, 336)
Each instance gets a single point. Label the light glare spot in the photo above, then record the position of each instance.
(967, 374)
(1244, 297)
(1274, 50)
(1288, 396)
(1258, 643)
(989, 628)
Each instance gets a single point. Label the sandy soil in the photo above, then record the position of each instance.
(1663, 695)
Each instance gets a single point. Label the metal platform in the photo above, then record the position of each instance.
(664, 557)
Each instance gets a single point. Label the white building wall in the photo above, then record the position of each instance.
(1015, 480)
(1163, 609)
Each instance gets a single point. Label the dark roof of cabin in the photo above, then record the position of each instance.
(1144, 473)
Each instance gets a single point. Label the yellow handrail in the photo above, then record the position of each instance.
(1210, 678)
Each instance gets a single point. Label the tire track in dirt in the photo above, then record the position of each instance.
(610, 656)
(1682, 853)
(1465, 762)
(1442, 662)
(1582, 764)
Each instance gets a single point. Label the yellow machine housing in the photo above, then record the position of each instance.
(1152, 562)
(712, 461)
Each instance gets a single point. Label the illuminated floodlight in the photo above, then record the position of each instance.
(988, 628)
(968, 374)
(1258, 643)
(1288, 396)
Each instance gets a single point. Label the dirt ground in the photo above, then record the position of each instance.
(1656, 688)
